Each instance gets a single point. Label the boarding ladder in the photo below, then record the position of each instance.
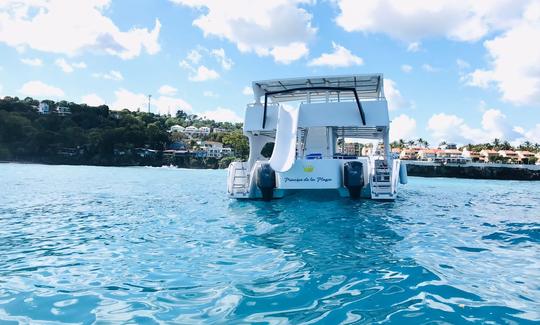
(240, 180)
(381, 180)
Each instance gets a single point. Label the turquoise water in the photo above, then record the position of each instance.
(150, 245)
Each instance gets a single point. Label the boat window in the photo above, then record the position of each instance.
(267, 150)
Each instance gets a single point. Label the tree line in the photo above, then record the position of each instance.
(496, 144)
(96, 135)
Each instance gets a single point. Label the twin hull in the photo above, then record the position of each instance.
(318, 174)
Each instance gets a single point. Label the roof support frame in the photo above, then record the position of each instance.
(338, 89)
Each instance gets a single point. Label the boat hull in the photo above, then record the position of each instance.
(318, 175)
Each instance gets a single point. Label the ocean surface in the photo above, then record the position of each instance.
(85, 244)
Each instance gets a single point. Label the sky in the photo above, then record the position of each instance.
(455, 70)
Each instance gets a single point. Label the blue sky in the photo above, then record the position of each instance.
(455, 70)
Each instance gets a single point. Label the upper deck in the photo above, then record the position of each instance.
(319, 89)
(343, 101)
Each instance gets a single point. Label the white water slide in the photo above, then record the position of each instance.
(285, 146)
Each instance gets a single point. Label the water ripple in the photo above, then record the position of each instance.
(154, 245)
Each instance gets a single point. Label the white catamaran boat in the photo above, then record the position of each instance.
(304, 118)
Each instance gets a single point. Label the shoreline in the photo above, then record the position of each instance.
(67, 163)
(474, 171)
(414, 168)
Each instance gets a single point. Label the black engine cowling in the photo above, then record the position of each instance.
(353, 178)
(266, 181)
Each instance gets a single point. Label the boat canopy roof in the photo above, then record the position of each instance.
(323, 88)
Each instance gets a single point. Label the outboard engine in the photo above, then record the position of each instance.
(266, 181)
(353, 178)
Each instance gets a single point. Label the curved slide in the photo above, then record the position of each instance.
(285, 146)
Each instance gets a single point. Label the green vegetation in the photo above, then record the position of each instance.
(504, 145)
(495, 145)
(401, 144)
(100, 136)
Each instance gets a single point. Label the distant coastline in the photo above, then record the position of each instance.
(195, 163)
(474, 171)
(65, 133)
(414, 168)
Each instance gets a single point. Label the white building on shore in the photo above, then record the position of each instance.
(511, 155)
(474, 156)
(204, 130)
(43, 108)
(191, 130)
(524, 156)
(177, 128)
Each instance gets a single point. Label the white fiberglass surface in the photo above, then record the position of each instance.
(285, 146)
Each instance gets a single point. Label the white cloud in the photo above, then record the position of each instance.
(496, 125)
(429, 68)
(167, 90)
(462, 64)
(514, 58)
(92, 100)
(248, 91)
(289, 53)
(414, 47)
(64, 65)
(447, 127)
(406, 68)
(263, 27)
(209, 93)
(219, 54)
(479, 78)
(203, 74)
(194, 56)
(71, 27)
(393, 96)
(69, 67)
(221, 114)
(37, 88)
(168, 104)
(32, 62)
(185, 65)
(341, 57)
(533, 135)
(412, 21)
(402, 127)
(111, 75)
(126, 99)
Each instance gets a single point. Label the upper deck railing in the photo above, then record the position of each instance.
(366, 86)
(318, 89)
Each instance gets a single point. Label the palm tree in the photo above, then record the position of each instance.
(421, 142)
(527, 145)
(496, 143)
